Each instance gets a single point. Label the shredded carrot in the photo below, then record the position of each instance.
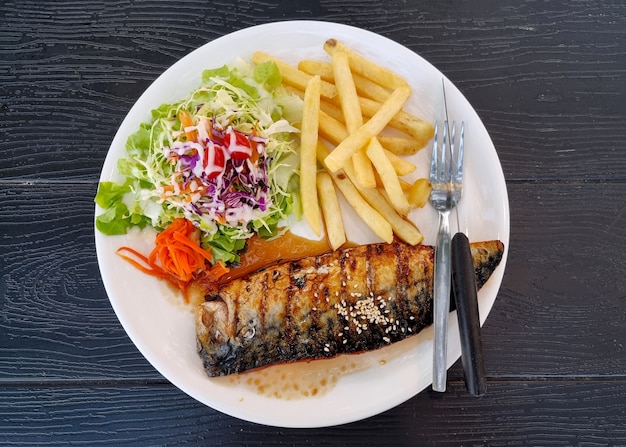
(177, 257)
(187, 121)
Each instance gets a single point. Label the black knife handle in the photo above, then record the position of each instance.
(466, 298)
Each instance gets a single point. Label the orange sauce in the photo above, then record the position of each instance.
(262, 253)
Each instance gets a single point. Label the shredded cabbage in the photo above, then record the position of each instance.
(224, 158)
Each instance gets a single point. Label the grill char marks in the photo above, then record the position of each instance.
(347, 301)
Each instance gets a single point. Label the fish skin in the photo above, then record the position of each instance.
(346, 301)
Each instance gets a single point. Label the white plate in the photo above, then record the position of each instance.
(349, 388)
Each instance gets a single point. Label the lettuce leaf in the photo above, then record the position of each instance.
(244, 96)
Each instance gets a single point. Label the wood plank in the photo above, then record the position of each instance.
(71, 72)
(547, 80)
(57, 321)
(512, 413)
(562, 305)
(560, 310)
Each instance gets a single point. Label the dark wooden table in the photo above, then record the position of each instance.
(548, 78)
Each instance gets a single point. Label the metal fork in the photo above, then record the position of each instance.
(446, 178)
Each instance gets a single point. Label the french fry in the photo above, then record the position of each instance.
(371, 96)
(308, 149)
(406, 186)
(400, 165)
(388, 176)
(364, 169)
(349, 102)
(333, 219)
(402, 228)
(411, 125)
(332, 110)
(346, 91)
(372, 218)
(370, 89)
(331, 129)
(323, 69)
(399, 145)
(419, 193)
(293, 76)
(372, 127)
(335, 132)
(367, 68)
(365, 87)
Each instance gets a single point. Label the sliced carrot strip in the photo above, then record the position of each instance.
(176, 257)
(187, 121)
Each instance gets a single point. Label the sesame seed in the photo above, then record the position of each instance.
(386, 339)
(326, 349)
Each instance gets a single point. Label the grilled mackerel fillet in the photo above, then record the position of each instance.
(346, 301)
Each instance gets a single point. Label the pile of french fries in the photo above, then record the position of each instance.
(349, 103)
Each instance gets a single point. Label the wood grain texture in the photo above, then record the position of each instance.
(547, 78)
(553, 413)
(562, 307)
(564, 298)
(55, 319)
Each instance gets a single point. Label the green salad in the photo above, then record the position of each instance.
(224, 158)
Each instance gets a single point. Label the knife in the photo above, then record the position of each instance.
(466, 298)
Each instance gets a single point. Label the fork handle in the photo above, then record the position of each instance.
(441, 300)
